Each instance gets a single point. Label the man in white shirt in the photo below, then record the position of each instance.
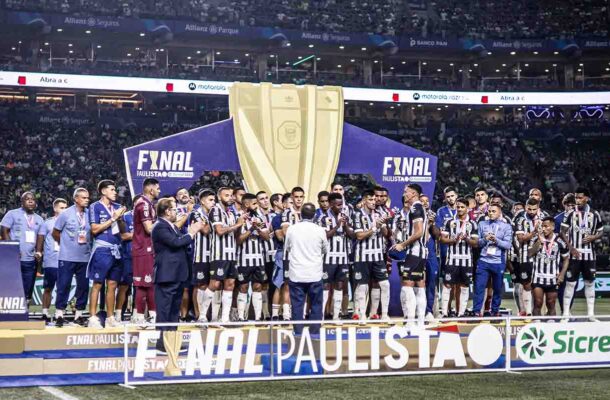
(306, 245)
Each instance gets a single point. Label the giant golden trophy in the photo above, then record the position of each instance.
(287, 135)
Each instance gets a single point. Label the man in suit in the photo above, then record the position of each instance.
(171, 272)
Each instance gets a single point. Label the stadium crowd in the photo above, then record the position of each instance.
(470, 18)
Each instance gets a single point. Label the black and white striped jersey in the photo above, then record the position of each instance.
(581, 223)
(337, 244)
(526, 224)
(251, 253)
(269, 245)
(371, 248)
(513, 252)
(547, 263)
(201, 242)
(416, 213)
(460, 254)
(223, 247)
(290, 217)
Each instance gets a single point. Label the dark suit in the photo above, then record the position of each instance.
(172, 270)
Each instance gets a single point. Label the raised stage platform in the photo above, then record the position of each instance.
(77, 355)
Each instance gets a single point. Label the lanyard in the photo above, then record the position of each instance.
(548, 246)
(462, 228)
(582, 217)
(109, 210)
(29, 220)
(453, 213)
(496, 226)
(81, 218)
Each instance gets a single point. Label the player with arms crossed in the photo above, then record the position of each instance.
(580, 228)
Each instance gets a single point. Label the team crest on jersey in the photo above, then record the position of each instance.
(200, 275)
(358, 276)
(240, 277)
(221, 271)
(325, 275)
(447, 277)
(523, 275)
(148, 278)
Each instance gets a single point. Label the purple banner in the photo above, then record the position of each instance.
(179, 160)
(13, 306)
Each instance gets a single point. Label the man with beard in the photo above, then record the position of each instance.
(202, 295)
(381, 207)
(335, 267)
(281, 294)
(411, 237)
(527, 228)
(105, 265)
(223, 250)
(22, 225)
(251, 258)
(184, 206)
(142, 255)
(581, 227)
(370, 229)
(268, 209)
(460, 235)
(481, 198)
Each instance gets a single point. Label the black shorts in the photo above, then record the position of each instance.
(246, 275)
(576, 267)
(413, 268)
(269, 270)
(335, 273)
(201, 273)
(545, 288)
(221, 270)
(364, 271)
(455, 275)
(524, 272)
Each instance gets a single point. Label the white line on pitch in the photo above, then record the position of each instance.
(60, 394)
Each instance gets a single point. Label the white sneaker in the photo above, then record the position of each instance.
(94, 322)
(385, 317)
(430, 317)
(592, 318)
(111, 322)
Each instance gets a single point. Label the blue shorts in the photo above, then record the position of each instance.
(50, 278)
(103, 266)
(127, 274)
